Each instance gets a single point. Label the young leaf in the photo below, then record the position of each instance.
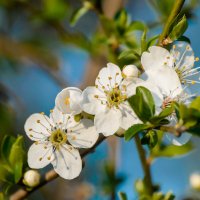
(17, 152)
(122, 196)
(80, 12)
(133, 130)
(143, 104)
(6, 146)
(150, 139)
(179, 29)
(172, 150)
(144, 41)
(162, 115)
(196, 104)
(136, 26)
(121, 20)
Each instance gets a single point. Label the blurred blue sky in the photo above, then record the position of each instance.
(37, 92)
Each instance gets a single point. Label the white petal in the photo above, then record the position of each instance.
(68, 100)
(38, 127)
(108, 122)
(183, 55)
(40, 155)
(67, 162)
(93, 100)
(156, 58)
(128, 86)
(179, 141)
(109, 77)
(84, 135)
(66, 120)
(166, 79)
(128, 116)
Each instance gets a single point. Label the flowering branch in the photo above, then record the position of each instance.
(175, 11)
(51, 175)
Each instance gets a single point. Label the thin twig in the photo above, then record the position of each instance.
(51, 175)
(145, 166)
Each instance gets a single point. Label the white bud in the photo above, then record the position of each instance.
(130, 71)
(31, 178)
(195, 181)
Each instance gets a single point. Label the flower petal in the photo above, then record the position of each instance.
(67, 162)
(93, 100)
(109, 77)
(38, 126)
(156, 58)
(166, 79)
(67, 120)
(84, 135)
(179, 141)
(40, 155)
(68, 100)
(108, 122)
(128, 116)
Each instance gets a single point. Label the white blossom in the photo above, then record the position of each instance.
(56, 141)
(68, 100)
(180, 58)
(169, 83)
(107, 100)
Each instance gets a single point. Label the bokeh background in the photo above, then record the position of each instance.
(40, 54)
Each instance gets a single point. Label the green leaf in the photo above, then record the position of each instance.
(133, 130)
(151, 139)
(6, 146)
(80, 12)
(172, 150)
(16, 157)
(169, 196)
(17, 151)
(162, 115)
(122, 196)
(144, 41)
(121, 20)
(152, 41)
(5, 173)
(129, 54)
(196, 104)
(179, 29)
(143, 104)
(136, 26)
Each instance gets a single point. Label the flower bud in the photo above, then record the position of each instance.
(31, 178)
(130, 71)
(195, 181)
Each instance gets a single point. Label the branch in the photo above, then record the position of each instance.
(51, 175)
(176, 130)
(145, 166)
(178, 4)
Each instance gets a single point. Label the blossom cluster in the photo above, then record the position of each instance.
(57, 138)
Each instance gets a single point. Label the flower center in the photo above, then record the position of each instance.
(58, 137)
(115, 97)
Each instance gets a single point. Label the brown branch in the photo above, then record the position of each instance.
(51, 175)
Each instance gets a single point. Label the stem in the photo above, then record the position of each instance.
(178, 4)
(50, 175)
(145, 166)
